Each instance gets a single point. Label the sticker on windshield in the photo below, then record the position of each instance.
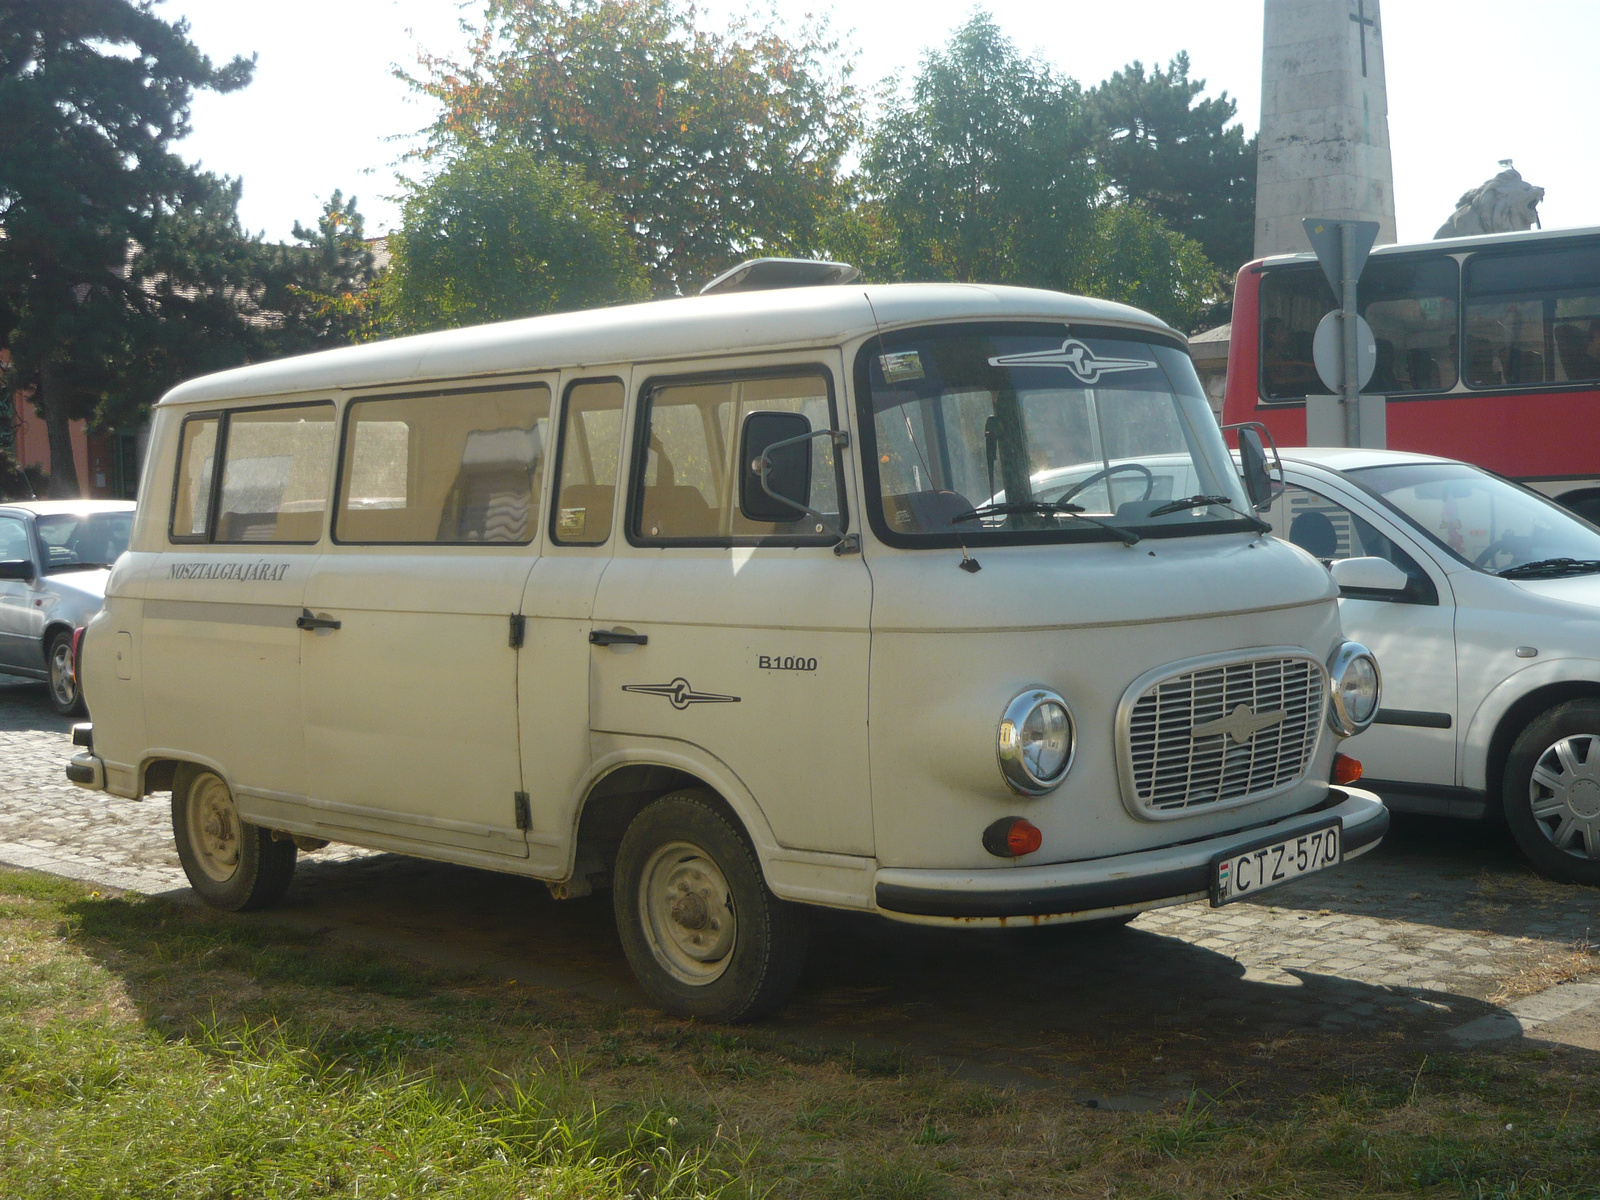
(901, 367)
(1076, 357)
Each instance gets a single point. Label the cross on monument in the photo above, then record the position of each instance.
(1363, 23)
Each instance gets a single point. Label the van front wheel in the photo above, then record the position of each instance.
(232, 864)
(703, 933)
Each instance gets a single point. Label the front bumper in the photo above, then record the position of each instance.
(1105, 886)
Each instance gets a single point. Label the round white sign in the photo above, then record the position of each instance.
(1327, 352)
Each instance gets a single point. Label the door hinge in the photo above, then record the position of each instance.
(519, 630)
(524, 811)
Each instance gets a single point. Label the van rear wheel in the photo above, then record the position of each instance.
(703, 933)
(232, 864)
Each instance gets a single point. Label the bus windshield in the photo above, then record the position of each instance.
(1485, 521)
(1035, 432)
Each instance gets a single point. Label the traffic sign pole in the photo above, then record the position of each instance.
(1350, 272)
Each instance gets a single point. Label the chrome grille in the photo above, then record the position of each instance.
(1173, 771)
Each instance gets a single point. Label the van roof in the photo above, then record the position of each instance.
(739, 323)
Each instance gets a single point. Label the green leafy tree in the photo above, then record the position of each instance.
(1180, 156)
(986, 172)
(497, 233)
(711, 146)
(1135, 258)
(93, 94)
(331, 299)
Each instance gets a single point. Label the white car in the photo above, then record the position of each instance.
(1481, 600)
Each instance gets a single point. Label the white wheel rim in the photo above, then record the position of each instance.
(61, 683)
(687, 912)
(1564, 794)
(214, 828)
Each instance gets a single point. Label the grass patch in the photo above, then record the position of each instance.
(153, 1050)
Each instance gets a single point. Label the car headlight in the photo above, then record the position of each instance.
(1355, 687)
(1036, 742)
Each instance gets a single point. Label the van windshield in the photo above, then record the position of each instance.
(1040, 432)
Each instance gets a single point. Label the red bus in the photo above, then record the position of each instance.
(1488, 351)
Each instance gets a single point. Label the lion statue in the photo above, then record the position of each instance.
(1505, 204)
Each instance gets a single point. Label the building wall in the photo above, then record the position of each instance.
(93, 454)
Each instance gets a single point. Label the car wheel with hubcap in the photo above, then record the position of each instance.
(65, 696)
(1552, 792)
(232, 864)
(703, 933)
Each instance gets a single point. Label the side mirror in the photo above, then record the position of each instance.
(775, 478)
(1369, 575)
(17, 568)
(1253, 466)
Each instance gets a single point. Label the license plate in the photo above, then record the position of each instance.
(1240, 874)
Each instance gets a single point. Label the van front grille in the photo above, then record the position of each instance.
(1222, 734)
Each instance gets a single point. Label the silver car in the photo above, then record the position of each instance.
(55, 556)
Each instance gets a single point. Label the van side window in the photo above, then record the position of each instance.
(191, 497)
(275, 467)
(689, 440)
(448, 469)
(591, 436)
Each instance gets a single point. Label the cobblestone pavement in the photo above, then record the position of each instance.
(1436, 934)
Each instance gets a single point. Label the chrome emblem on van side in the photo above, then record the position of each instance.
(1076, 357)
(1241, 724)
(680, 693)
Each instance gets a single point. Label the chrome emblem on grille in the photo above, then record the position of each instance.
(1241, 724)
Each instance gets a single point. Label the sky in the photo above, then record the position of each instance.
(1470, 82)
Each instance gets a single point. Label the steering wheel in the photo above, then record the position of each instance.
(1509, 544)
(1106, 473)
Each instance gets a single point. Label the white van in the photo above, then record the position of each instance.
(734, 604)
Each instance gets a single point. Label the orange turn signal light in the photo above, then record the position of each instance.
(1346, 769)
(1012, 837)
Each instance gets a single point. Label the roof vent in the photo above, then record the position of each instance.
(763, 274)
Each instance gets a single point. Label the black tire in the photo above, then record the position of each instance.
(261, 866)
(754, 945)
(1539, 814)
(66, 697)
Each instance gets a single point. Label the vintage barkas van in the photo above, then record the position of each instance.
(734, 604)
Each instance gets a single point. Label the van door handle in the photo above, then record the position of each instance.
(309, 620)
(611, 637)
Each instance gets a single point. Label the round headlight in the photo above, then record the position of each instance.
(1036, 742)
(1355, 687)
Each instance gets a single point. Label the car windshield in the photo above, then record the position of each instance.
(1485, 521)
(1040, 432)
(79, 541)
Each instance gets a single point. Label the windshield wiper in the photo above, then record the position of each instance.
(1172, 506)
(1128, 537)
(1550, 568)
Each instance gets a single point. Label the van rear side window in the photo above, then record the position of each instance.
(275, 468)
(451, 469)
(590, 444)
(191, 498)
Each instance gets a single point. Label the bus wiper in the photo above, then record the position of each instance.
(1551, 568)
(1076, 511)
(1172, 506)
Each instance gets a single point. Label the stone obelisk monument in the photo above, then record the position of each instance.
(1324, 149)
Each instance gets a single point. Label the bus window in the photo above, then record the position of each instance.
(1533, 318)
(1410, 304)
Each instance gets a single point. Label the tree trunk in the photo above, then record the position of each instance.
(63, 467)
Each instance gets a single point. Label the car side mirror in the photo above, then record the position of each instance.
(775, 479)
(1369, 575)
(1253, 467)
(17, 568)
